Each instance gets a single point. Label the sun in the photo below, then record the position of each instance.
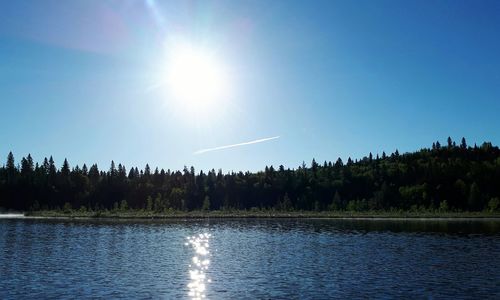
(196, 79)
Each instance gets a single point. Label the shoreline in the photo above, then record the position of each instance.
(142, 215)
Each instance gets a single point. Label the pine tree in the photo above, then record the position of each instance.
(64, 179)
(339, 163)
(65, 170)
(94, 175)
(474, 200)
(336, 202)
(11, 168)
(206, 204)
(112, 170)
(26, 166)
(131, 174)
(314, 166)
(463, 144)
(52, 169)
(45, 166)
(30, 163)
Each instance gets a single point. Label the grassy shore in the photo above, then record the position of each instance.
(143, 214)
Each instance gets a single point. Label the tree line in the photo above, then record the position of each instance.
(449, 177)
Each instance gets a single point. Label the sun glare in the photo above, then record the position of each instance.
(195, 79)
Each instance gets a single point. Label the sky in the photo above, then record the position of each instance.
(84, 80)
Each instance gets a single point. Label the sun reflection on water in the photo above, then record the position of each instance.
(199, 265)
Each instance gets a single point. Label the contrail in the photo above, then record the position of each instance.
(236, 145)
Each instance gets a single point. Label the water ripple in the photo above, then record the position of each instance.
(248, 259)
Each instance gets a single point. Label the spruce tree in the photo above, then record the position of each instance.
(463, 144)
(11, 168)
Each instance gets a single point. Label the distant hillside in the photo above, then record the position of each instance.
(449, 177)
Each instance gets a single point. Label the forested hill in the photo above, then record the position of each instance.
(450, 177)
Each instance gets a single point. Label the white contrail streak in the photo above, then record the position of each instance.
(236, 145)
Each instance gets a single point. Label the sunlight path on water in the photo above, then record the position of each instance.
(198, 267)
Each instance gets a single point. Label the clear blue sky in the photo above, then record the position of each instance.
(331, 78)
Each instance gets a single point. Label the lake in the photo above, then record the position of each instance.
(249, 259)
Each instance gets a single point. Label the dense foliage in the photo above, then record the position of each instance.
(446, 178)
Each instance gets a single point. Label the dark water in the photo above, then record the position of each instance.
(252, 259)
